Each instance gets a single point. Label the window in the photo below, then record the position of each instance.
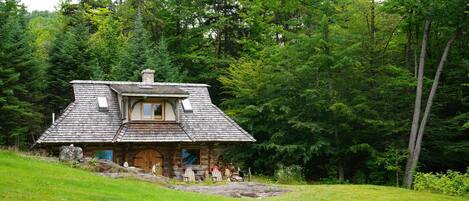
(186, 105)
(190, 157)
(102, 103)
(147, 111)
(152, 111)
(103, 154)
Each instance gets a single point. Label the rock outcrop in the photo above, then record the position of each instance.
(70, 153)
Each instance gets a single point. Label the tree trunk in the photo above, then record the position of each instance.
(428, 107)
(416, 64)
(373, 32)
(340, 161)
(408, 47)
(325, 32)
(417, 107)
(340, 170)
(397, 178)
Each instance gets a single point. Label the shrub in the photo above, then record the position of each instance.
(93, 161)
(289, 175)
(451, 183)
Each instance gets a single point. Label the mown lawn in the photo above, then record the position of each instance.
(26, 178)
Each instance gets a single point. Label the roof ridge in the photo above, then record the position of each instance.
(234, 123)
(130, 82)
(67, 110)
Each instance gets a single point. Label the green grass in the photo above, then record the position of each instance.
(362, 192)
(26, 178)
(263, 179)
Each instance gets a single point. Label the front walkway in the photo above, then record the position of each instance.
(235, 189)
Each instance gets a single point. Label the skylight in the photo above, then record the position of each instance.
(186, 105)
(102, 103)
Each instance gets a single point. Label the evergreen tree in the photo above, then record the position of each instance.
(68, 60)
(165, 70)
(21, 78)
(137, 55)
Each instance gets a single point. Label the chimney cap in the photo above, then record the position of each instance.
(148, 71)
(148, 76)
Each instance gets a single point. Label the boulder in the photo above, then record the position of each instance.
(107, 166)
(70, 153)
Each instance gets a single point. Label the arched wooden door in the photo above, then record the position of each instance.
(145, 159)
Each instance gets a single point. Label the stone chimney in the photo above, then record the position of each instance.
(148, 76)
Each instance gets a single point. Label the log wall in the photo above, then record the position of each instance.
(172, 154)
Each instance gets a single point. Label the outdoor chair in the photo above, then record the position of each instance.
(189, 175)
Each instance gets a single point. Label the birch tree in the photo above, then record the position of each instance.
(419, 123)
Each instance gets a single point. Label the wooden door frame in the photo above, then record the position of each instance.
(154, 149)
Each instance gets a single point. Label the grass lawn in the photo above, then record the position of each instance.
(26, 178)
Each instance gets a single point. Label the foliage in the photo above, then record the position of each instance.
(68, 59)
(93, 161)
(392, 160)
(326, 85)
(138, 54)
(451, 183)
(289, 175)
(330, 100)
(21, 78)
(106, 44)
(44, 26)
(164, 66)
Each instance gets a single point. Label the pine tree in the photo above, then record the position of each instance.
(141, 53)
(165, 70)
(68, 60)
(20, 77)
(136, 56)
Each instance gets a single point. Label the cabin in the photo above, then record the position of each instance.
(171, 125)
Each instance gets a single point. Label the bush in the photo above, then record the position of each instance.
(451, 183)
(289, 175)
(93, 161)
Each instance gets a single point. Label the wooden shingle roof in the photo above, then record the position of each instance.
(148, 90)
(82, 121)
(152, 132)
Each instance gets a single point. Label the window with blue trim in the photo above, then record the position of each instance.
(103, 154)
(191, 157)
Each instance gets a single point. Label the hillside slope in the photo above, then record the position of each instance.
(26, 178)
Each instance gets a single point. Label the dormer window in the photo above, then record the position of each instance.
(153, 111)
(102, 103)
(186, 105)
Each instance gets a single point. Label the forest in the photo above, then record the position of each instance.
(346, 91)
